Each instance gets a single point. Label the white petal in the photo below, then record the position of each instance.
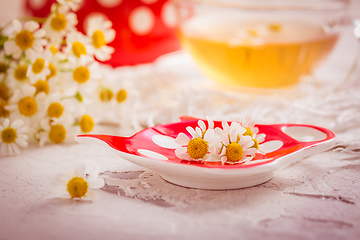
(260, 137)
(191, 131)
(21, 142)
(80, 171)
(22, 130)
(246, 142)
(6, 123)
(255, 130)
(16, 149)
(250, 151)
(233, 135)
(241, 130)
(17, 25)
(98, 183)
(210, 122)
(202, 125)
(225, 125)
(39, 33)
(209, 134)
(17, 123)
(31, 26)
(198, 132)
(182, 139)
(10, 47)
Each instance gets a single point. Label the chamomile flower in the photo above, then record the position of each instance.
(75, 183)
(72, 4)
(56, 130)
(25, 104)
(39, 68)
(13, 136)
(77, 44)
(258, 138)
(84, 74)
(17, 75)
(249, 125)
(198, 148)
(236, 148)
(100, 31)
(253, 132)
(60, 21)
(28, 39)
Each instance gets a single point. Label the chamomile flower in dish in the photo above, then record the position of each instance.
(253, 132)
(13, 136)
(76, 183)
(26, 39)
(202, 143)
(100, 31)
(236, 148)
(60, 21)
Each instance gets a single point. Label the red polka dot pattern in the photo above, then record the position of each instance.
(140, 40)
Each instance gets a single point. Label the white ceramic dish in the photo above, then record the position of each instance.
(154, 147)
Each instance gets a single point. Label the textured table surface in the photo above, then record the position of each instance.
(315, 198)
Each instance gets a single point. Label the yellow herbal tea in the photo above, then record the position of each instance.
(256, 54)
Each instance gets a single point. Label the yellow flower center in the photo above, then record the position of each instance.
(248, 132)
(274, 27)
(3, 67)
(98, 39)
(3, 112)
(106, 95)
(77, 187)
(3, 92)
(57, 134)
(234, 152)
(256, 144)
(58, 23)
(38, 66)
(121, 96)
(55, 110)
(8, 135)
(197, 148)
(78, 48)
(86, 124)
(20, 72)
(53, 49)
(42, 86)
(27, 106)
(81, 74)
(24, 39)
(52, 71)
